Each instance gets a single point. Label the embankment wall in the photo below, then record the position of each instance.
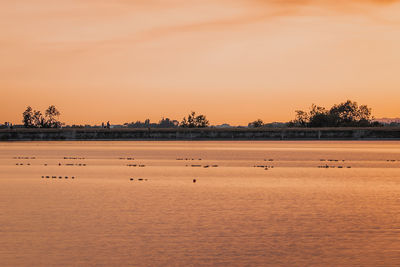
(384, 133)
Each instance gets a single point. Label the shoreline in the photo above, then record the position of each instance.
(201, 134)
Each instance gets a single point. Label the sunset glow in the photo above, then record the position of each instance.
(234, 61)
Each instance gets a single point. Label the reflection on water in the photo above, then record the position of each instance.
(199, 203)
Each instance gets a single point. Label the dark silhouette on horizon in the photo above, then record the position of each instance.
(163, 123)
(346, 114)
(35, 119)
(193, 121)
(256, 124)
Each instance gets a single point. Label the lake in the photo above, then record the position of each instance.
(121, 203)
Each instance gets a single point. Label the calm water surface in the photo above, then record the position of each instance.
(254, 203)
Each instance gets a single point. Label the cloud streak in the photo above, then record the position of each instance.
(341, 6)
(271, 9)
(323, 2)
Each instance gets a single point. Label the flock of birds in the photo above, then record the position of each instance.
(55, 177)
(263, 166)
(59, 164)
(326, 166)
(133, 165)
(197, 165)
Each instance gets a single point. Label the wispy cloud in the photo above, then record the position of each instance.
(336, 2)
(261, 11)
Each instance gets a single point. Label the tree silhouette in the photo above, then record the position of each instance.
(256, 124)
(34, 118)
(52, 115)
(38, 120)
(27, 118)
(346, 114)
(193, 121)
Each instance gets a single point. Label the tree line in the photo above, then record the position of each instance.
(163, 123)
(35, 119)
(191, 121)
(346, 114)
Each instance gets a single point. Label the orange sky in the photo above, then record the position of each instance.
(233, 60)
